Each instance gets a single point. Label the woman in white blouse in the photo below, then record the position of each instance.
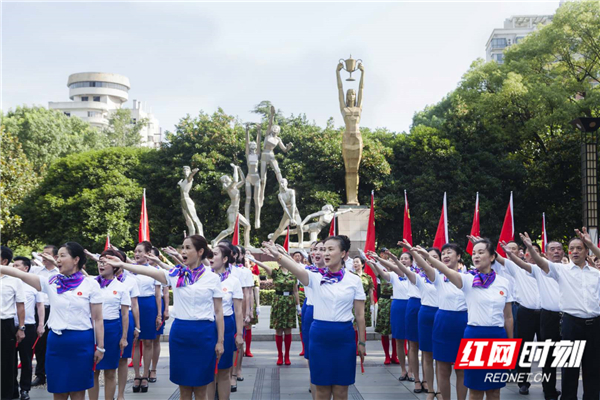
(115, 311)
(75, 320)
(335, 293)
(196, 336)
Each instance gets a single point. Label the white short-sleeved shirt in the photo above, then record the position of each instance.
(146, 284)
(579, 289)
(485, 306)
(548, 289)
(334, 301)
(232, 289)
(115, 295)
(349, 264)
(450, 298)
(131, 284)
(44, 274)
(529, 295)
(429, 294)
(11, 290)
(513, 294)
(71, 309)
(414, 291)
(32, 297)
(400, 287)
(195, 302)
(244, 275)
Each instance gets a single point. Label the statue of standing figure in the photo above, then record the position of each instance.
(253, 178)
(326, 215)
(272, 140)
(352, 144)
(187, 204)
(291, 216)
(233, 186)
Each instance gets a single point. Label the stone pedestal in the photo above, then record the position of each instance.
(354, 224)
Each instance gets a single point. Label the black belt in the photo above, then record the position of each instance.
(530, 309)
(553, 312)
(383, 296)
(583, 321)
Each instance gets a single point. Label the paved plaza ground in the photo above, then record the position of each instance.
(263, 379)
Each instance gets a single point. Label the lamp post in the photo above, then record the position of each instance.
(589, 172)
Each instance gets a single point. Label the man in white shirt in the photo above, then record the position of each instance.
(13, 300)
(579, 288)
(49, 269)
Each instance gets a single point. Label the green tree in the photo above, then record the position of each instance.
(122, 131)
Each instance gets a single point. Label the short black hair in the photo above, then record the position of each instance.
(25, 260)
(76, 250)
(454, 247)
(6, 254)
(53, 247)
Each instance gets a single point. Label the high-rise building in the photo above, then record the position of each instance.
(514, 30)
(96, 95)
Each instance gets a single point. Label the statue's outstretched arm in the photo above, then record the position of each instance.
(311, 216)
(247, 140)
(340, 86)
(242, 178)
(258, 140)
(194, 172)
(361, 85)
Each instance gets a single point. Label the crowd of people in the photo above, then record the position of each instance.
(427, 300)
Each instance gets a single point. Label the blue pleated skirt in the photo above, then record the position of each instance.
(192, 352)
(113, 331)
(307, 320)
(161, 331)
(411, 326)
(448, 330)
(148, 313)
(426, 318)
(127, 350)
(475, 378)
(70, 361)
(226, 360)
(398, 318)
(332, 353)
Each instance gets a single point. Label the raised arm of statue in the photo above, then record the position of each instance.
(311, 216)
(258, 138)
(247, 140)
(236, 177)
(340, 86)
(242, 177)
(361, 85)
(191, 177)
(284, 148)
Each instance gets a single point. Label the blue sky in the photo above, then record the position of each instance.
(185, 57)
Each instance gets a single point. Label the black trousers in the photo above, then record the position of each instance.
(8, 352)
(528, 326)
(574, 328)
(25, 353)
(40, 347)
(550, 329)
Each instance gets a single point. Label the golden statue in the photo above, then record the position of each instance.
(352, 144)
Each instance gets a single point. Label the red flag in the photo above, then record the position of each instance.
(286, 243)
(508, 228)
(406, 228)
(475, 227)
(441, 236)
(144, 232)
(332, 226)
(370, 244)
(544, 234)
(236, 231)
(107, 244)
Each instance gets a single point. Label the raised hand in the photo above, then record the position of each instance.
(113, 261)
(391, 255)
(271, 249)
(473, 239)
(525, 239)
(405, 245)
(584, 236)
(421, 251)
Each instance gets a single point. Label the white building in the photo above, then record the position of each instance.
(514, 30)
(95, 95)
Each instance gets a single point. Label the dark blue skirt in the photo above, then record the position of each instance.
(448, 330)
(398, 318)
(475, 378)
(426, 318)
(113, 331)
(192, 352)
(226, 360)
(161, 331)
(411, 326)
(332, 353)
(70, 361)
(307, 320)
(127, 350)
(148, 313)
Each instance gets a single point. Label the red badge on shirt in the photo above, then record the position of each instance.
(114, 292)
(225, 289)
(79, 294)
(501, 293)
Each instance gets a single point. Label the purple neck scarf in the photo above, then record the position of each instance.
(314, 268)
(415, 269)
(103, 282)
(121, 277)
(424, 275)
(187, 276)
(225, 274)
(65, 283)
(332, 277)
(483, 280)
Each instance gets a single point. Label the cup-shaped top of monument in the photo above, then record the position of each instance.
(350, 65)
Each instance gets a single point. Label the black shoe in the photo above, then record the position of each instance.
(38, 381)
(25, 395)
(523, 390)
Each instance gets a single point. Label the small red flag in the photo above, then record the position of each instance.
(236, 231)
(441, 236)
(544, 234)
(475, 231)
(144, 231)
(286, 243)
(406, 228)
(370, 244)
(107, 244)
(332, 226)
(508, 228)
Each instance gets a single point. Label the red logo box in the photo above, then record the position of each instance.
(488, 354)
